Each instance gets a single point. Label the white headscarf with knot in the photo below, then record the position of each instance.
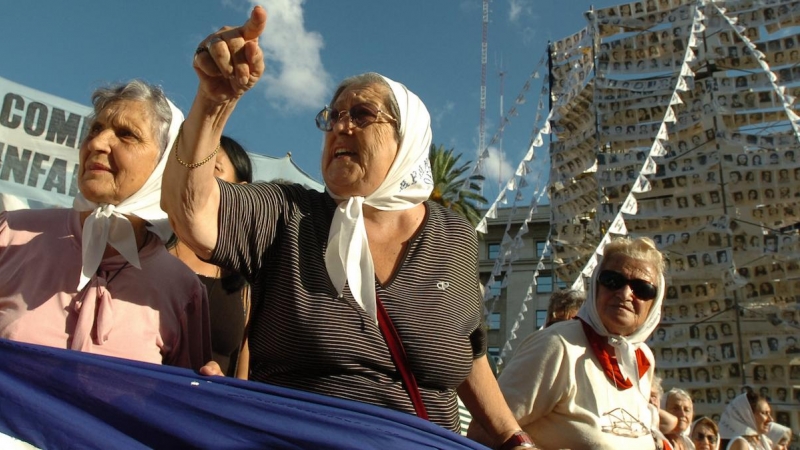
(106, 225)
(625, 346)
(738, 419)
(408, 183)
(777, 432)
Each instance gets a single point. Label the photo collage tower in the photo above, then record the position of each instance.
(677, 120)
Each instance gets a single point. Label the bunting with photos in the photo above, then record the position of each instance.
(687, 134)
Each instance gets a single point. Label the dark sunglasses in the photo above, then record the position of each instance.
(706, 437)
(362, 115)
(615, 280)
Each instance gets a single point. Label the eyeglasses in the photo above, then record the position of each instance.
(710, 438)
(362, 115)
(615, 281)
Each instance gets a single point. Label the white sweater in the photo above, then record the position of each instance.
(559, 394)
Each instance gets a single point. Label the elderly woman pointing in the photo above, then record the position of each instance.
(97, 278)
(366, 291)
(585, 384)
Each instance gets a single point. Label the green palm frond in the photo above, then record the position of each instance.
(449, 184)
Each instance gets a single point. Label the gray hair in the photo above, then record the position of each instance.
(562, 302)
(655, 385)
(370, 78)
(642, 248)
(141, 91)
(677, 392)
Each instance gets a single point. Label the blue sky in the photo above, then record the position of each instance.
(433, 46)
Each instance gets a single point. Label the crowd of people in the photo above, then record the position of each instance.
(367, 291)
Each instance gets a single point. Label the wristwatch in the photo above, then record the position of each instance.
(518, 439)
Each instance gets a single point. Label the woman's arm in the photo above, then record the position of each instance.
(667, 422)
(739, 444)
(228, 63)
(481, 395)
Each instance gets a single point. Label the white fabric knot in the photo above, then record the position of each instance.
(105, 224)
(348, 257)
(626, 358)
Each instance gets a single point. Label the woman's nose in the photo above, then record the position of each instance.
(626, 292)
(100, 141)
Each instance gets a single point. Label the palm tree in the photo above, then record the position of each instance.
(449, 189)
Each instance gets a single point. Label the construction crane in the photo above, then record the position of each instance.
(484, 57)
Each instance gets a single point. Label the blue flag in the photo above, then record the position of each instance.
(55, 398)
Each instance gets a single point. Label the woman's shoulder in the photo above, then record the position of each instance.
(450, 220)
(557, 337)
(31, 222)
(302, 198)
(34, 216)
(738, 443)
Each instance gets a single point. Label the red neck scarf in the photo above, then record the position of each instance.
(609, 362)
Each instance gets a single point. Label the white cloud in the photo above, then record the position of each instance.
(295, 79)
(497, 168)
(519, 8)
(529, 36)
(441, 113)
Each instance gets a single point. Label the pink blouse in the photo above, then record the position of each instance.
(158, 314)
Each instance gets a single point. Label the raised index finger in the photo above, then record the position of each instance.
(255, 25)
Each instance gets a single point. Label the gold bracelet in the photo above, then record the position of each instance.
(184, 163)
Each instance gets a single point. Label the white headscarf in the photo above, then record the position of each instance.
(107, 225)
(738, 419)
(408, 183)
(777, 432)
(625, 346)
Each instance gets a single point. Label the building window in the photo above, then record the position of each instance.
(494, 250)
(494, 352)
(540, 248)
(494, 321)
(544, 284)
(496, 288)
(541, 318)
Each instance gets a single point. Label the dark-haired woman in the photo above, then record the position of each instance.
(228, 296)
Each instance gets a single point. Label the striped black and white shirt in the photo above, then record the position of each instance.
(303, 336)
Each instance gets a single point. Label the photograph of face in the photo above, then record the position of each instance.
(713, 395)
(672, 293)
(661, 335)
(756, 349)
(711, 333)
(778, 373)
(759, 373)
(711, 353)
(728, 352)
